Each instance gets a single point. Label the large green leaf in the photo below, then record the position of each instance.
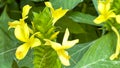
(66, 4)
(82, 18)
(14, 10)
(90, 34)
(27, 61)
(97, 56)
(76, 53)
(95, 2)
(7, 46)
(65, 22)
(6, 51)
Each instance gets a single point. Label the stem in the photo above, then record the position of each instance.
(115, 55)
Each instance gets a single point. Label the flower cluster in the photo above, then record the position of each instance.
(56, 14)
(22, 33)
(107, 13)
(28, 37)
(60, 48)
(104, 8)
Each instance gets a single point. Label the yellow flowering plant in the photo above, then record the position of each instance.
(60, 34)
(22, 33)
(61, 48)
(56, 13)
(38, 36)
(104, 8)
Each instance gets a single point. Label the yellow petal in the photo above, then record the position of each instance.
(25, 10)
(100, 19)
(47, 42)
(22, 32)
(64, 57)
(13, 24)
(53, 36)
(108, 5)
(113, 56)
(54, 45)
(69, 44)
(103, 6)
(58, 13)
(48, 4)
(118, 19)
(34, 42)
(66, 35)
(22, 51)
(110, 14)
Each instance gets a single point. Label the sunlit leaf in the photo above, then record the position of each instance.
(7, 46)
(82, 18)
(66, 4)
(97, 56)
(65, 22)
(77, 52)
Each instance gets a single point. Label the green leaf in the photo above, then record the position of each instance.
(8, 45)
(76, 53)
(42, 21)
(97, 56)
(95, 2)
(45, 57)
(27, 62)
(2, 3)
(7, 42)
(37, 0)
(82, 18)
(65, 4)
(90, 34)
(4, 18)
(13, 10)
(6, 50)
(65, 22)
(10, 1)
(14, 64)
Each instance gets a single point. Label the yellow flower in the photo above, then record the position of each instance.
(60, 49)
(56, 14)
(21, 28)
(105, 12)
(115, 55)
(25, 12)
(28, 43)
(22, 33)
